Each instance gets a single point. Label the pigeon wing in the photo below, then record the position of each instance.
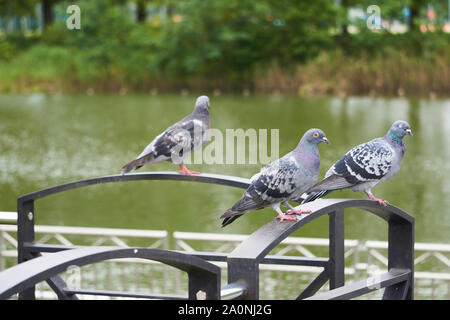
(272, 184)
(179, 139)
(367, 162)
(277, 181)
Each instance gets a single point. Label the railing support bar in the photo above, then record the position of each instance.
(59, 286)
(25, 234)
(337, 259)
(314, 286)
(401, 256)
(246, 272)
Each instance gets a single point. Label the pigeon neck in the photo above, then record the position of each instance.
(396, 141)
(201, 110)
(393, 138)
(307, 149)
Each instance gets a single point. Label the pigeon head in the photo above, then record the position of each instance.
(314, 136)
(400, 129)
(202, 104)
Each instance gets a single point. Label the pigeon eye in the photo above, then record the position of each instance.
(315, 134)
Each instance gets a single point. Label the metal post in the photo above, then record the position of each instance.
(337, 263)
(2, 248)
(245, 271)
(401, 256)
(25, 234)
(203, 286)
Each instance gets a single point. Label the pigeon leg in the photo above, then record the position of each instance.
(185, 170)
(281, 215)
(372, 197)
(292, 210)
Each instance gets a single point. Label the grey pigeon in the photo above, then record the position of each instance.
(282, 180)
(177, 141)
(366, 165)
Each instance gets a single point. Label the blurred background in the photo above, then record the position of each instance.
(340, 47)
(80, 103)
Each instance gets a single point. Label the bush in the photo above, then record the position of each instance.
(223, 44)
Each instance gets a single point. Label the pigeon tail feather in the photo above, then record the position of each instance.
(333, 182)
(139, 162)
(230, 212)
(245, 204)
(315, 195)
(229, 220)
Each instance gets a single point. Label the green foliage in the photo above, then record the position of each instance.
(220, 43)
(17, 7)
(7, 50)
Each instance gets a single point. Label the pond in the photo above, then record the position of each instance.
(50, 140)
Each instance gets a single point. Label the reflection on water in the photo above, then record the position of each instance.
(48, 140)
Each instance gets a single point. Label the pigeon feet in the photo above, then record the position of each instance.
(286, 217)
(380, 201)
(185, 170)
(297, 211)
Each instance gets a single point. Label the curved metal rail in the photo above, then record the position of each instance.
(204, 277)
(155, 175)
(27, 249)
(243, 262)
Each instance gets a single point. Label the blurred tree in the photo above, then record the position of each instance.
(232, 36)
(141, 10)
(306, 28)
(415, 10)
(47, 14)
(345, 5)
(17, 8)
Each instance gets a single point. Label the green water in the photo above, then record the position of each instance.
(49, 140)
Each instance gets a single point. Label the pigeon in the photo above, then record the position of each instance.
(366, 165)
(282, 180)
(177, 141)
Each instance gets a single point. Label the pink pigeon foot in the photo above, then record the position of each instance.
(297, 211)
(185, 170)
(286, 217)
(380, 201)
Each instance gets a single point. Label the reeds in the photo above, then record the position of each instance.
(392, 74)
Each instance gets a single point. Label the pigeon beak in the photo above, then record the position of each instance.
(409, 132)
(324, 139)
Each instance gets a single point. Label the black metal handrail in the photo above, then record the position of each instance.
(243, 262)
(28, 249)
(204, 277)
(154, 175)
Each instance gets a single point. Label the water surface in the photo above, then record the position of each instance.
(49, 140)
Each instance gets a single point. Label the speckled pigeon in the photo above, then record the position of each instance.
(366, 165)
(177, 141)
(282, 180)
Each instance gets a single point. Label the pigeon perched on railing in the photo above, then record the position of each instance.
(365, 166)
(282, 180)
(177, 141)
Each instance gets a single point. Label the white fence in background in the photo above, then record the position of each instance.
(363, 258)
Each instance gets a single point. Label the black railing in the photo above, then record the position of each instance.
(243, 262)
(204, 277)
